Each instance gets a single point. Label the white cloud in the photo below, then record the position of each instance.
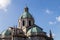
(58, 18)
(4, 4)
(51, 23)
(48, 11)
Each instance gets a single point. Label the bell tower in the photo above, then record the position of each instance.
(26, 20)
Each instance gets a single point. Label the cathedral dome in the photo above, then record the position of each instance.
(26, 14)
(6, 33)
(35, 31)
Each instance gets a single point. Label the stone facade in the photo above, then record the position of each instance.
(26, 29)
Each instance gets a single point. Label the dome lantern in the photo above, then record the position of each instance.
(26, 9)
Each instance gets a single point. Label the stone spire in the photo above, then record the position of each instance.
(51, 34)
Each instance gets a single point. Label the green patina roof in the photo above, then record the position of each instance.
(26, 15)
(6, 33)
(35, 30)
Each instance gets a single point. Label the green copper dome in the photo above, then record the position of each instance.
(35, 29)
(26, 14)
(6, 33)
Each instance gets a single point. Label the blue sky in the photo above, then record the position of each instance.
(45, 12)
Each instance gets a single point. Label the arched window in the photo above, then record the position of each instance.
(10, 33)
(29, 23)
(23, 23)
